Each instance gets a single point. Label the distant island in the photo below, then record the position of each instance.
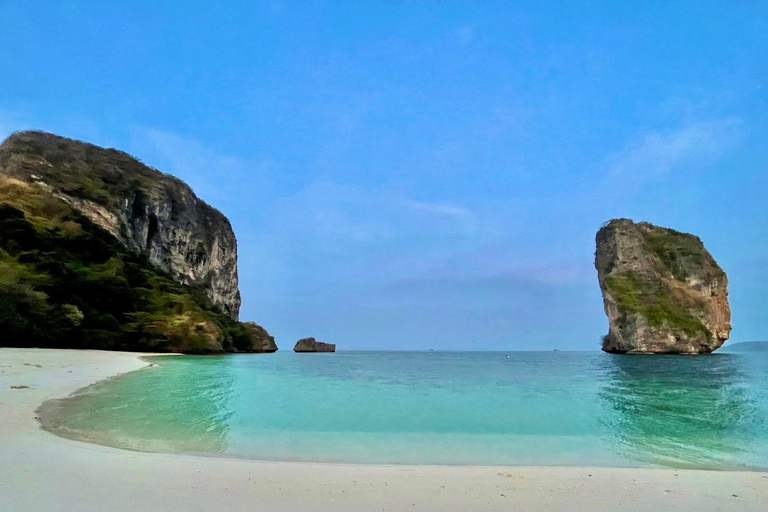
(662, 291)
(99, 251)
(747, 346)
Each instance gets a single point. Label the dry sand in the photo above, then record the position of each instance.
(41, 472)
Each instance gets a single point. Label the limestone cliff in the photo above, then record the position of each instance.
(99, 251)
(148, 211)
(662, 291)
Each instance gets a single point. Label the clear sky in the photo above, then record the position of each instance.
(412, 175)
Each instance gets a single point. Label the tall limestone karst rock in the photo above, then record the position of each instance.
(98, 250)
(662, 291)
(148, 211)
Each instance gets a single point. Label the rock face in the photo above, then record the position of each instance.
(260, 339)
(312, 345)
(662, 291)
(146, 210)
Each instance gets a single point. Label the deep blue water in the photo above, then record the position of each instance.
(496, 408)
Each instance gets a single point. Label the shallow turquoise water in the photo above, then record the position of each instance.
(513, 408)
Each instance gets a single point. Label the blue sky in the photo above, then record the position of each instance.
(412, 175)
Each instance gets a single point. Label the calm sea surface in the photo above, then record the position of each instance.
(479, 408)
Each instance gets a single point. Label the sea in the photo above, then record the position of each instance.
(442, 408)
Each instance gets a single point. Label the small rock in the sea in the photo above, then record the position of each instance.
(312, 345)
(20, 387)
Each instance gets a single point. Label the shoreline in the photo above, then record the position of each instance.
(42, 471)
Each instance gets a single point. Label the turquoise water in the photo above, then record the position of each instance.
(479, 408)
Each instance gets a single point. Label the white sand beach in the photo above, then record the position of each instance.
(41, 472)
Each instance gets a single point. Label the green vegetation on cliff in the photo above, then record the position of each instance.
(635, 295)
(682, 253)
(104, 176)
(67, 283)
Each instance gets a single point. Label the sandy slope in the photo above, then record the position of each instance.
(41, 472)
